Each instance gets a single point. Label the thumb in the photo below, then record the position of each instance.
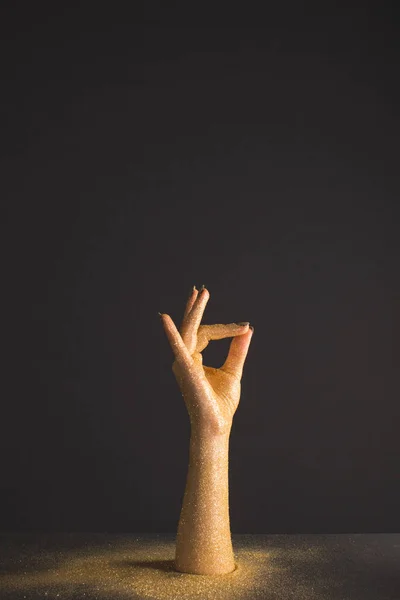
(237, 354)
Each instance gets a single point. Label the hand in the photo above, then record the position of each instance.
(211, 395)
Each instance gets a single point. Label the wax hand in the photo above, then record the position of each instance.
(211, 395)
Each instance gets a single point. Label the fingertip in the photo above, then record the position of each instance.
(202, 298)
(240, 329)
(249, 333)
(165, 318)
(243, 328)
(204, 293)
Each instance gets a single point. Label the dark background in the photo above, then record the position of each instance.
(149, 149)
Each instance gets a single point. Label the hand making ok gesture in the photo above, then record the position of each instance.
(211, 395)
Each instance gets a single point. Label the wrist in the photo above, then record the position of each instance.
(209, 452)
(207, 436)
(209, 426)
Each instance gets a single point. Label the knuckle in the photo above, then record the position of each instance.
(198, 357)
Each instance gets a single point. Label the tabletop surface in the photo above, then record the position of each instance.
(278, 567)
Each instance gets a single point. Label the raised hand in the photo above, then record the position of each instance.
(203, 543)
(211, 395)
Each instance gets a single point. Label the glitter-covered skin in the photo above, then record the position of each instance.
(211, 395)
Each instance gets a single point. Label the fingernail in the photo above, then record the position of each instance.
(160, 314)
(203, 287)
(252, 328)
(243, 323)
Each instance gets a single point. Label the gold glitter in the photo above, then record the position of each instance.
(269, 567)
(141, 569)
(204, 545)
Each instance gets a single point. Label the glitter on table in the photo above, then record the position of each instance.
(279, 567)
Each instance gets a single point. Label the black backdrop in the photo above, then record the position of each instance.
(141, 156)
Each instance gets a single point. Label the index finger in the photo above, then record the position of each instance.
(218, 332)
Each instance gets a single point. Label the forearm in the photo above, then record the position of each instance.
(204, 540)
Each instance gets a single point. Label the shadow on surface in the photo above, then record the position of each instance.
(167, 566)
